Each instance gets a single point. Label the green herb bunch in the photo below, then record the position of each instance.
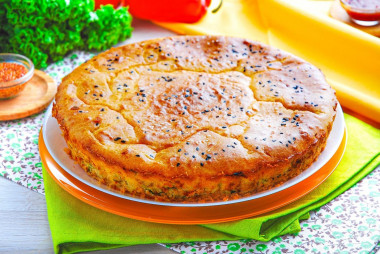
(46, 30)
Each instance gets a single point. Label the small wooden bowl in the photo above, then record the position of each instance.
(37, 95)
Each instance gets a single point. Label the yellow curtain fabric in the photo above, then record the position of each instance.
(348, 57)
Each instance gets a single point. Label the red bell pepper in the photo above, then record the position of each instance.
(186, 11)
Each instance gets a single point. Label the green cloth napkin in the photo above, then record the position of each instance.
(76, 226)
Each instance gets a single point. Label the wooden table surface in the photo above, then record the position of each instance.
(24, 227)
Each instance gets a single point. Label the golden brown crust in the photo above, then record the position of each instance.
(195, 118)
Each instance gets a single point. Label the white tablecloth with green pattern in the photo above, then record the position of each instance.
(348, 224)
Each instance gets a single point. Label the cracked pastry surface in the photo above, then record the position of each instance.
(195, 118)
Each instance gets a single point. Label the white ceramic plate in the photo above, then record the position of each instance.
(56, 145)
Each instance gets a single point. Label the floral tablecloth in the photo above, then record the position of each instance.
(348, 224)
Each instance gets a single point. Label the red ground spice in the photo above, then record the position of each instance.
(11, 71)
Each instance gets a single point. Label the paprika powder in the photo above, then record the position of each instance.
(11, 71)
(15, 72)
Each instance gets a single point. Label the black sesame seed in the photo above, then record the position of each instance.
(179, 150)
(118, 138)
(137, 155)
(178, 164)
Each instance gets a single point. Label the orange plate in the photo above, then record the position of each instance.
(186, 215)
